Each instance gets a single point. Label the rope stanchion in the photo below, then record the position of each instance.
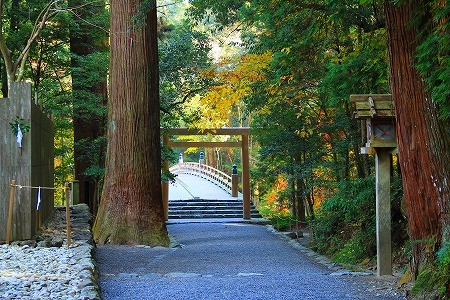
(68, 229)
(10, 212)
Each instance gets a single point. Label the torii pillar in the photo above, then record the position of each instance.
(246, 177)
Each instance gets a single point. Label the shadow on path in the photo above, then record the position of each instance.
(224, 261)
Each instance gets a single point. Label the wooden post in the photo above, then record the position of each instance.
(383, 211)
(74, 192)
(246, 177)
(377, 111)
(10, 212)
(68, 229)
(38, 219)
(234, 182)
(165, 184)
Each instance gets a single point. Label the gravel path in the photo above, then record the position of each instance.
(226, 261)
(45, 268)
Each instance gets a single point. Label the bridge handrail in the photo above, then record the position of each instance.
(214, 175)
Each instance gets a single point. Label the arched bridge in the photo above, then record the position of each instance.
(213, 175)
(201, 191)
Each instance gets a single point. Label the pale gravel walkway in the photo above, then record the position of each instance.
(226, 261)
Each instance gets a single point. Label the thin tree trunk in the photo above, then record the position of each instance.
(293, 199)
(211, 157)
(301, 194)
(131, 208)
(300, 190)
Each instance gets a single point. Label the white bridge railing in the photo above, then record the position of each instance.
(217, 177)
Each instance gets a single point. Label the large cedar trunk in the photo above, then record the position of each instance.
(131, 210)
(87, 126)
(423, 139)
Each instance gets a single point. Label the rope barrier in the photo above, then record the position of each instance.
(11, 206)
(37, 187)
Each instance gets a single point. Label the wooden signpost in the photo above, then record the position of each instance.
(377, 112)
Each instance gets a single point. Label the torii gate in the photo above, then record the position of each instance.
(244, 132)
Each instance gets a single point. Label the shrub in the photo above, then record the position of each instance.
(344, 227)
(434, 280)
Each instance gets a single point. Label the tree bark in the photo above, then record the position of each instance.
(423, 139)
(131, 208)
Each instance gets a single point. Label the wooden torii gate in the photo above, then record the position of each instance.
(244, 132)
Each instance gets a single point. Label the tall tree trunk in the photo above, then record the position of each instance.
(88, 125)
(131, 208)
(423, 140)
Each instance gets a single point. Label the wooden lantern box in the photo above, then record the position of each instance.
(377, 111)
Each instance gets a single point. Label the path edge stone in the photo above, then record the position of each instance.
(82, 240)
(323, 260)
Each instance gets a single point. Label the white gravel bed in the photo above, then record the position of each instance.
(47, 273)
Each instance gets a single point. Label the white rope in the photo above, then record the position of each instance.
(37, 187)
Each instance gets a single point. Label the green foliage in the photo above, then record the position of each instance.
(345, 224)
(433, 59)
(19, 123)
(322, 53)
(434, 280)
(222, 12)
(64, 167)
(167, 153)
(89, 58)
(183, 54)
(282, 223)
(142, 12)
(354, 250)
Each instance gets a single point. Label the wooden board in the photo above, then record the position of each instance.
(375, 97)
(183, 144)
(373, 106)
(206, 131)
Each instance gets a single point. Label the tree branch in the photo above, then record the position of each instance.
(38, 27)
(6, 53)
(73, 11)
(174, 104)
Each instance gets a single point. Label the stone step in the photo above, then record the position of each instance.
(211, 216)
(205, 211)
(202, 216)
(203, 204)
(200, 208)
(190, 214)
(207, 200)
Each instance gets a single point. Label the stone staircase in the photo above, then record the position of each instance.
(199, 208)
